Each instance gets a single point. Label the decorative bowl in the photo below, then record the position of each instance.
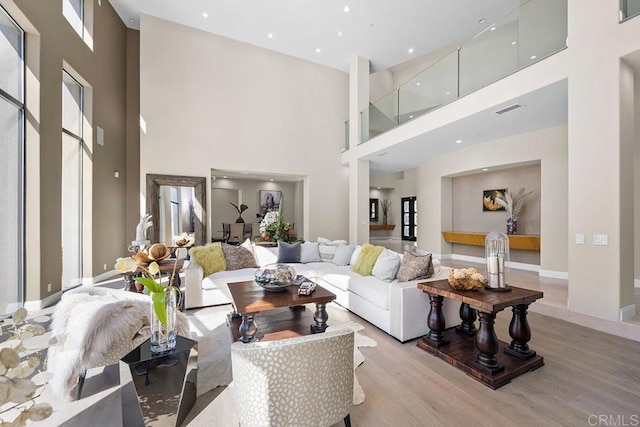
(275, 277)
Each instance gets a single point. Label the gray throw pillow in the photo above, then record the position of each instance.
(289, 252)
(415, 267)
(309, 252)
(343, 254)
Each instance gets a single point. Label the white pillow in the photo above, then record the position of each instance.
(343, 254)
(309, 252)
(327, 248)
(355, 255)
(386, 266)
(265, 255)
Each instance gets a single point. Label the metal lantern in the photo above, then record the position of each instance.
(496, 247)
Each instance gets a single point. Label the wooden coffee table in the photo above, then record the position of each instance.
(249, 299)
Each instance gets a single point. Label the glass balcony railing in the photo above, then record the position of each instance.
(533, 32)
(629, 9)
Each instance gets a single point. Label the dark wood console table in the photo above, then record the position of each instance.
(478, 352)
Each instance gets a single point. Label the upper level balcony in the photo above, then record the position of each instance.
(533, 32)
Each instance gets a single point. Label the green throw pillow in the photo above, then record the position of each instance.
(210, 258)
(367, 259)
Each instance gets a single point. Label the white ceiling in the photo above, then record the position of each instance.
(381, 30)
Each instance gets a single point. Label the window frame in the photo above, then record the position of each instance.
(22, 108)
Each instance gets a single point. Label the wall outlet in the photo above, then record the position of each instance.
(105, 267)
(600, 239)
(579, 239)
(48, 287)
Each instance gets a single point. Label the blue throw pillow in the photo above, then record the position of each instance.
(289, 252)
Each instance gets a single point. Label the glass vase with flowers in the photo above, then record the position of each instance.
(164, 302)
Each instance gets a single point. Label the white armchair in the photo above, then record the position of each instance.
(304, 381)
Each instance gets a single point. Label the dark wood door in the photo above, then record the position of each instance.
(409, 218)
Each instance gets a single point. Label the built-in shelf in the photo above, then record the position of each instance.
(516, 241)
(381, 226)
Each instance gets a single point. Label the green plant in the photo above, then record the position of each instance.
(151, 274)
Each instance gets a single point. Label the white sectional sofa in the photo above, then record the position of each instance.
(399, 309)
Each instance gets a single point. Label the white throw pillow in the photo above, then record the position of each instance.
(265, 255)
(387, 265)
(309, 252)
(327, 248)
(355, 255)
(343, 254)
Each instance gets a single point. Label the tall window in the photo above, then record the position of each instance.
(11, 163)
(72, 147)
(73, 10)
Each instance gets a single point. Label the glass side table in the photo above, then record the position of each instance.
(165, 384)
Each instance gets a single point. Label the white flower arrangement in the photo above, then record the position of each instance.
(270, 218)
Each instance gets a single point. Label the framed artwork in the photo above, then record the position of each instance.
(373, 210)
(270, 200)
(489, 200)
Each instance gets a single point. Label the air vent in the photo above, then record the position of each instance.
(509, 108)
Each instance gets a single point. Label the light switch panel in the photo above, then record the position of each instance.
(600, 239)
(100, 135)
(579, 239)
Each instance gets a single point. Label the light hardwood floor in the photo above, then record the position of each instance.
(586, 374)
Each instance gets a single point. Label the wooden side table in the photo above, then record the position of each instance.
(477, 351)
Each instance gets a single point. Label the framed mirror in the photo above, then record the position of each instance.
(187, 212)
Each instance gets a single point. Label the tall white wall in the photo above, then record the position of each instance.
(211, 102)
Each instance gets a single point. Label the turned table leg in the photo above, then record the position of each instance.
(320, 317)
(248, 328)
(468, 317)
(436, 322)
(520, 333)
(487, 343)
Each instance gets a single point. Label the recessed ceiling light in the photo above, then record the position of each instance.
(410, 50)
(318, 50)
(205, 14)
(459, 141)
(448, 93)
(481, 21)
(224, 176)
(339, 33)
(485, 169)
(513, 43)
(270, 35)
(533, 57)
(411, 117)
(379, 188)
(493, 28)
(271, 180)
(132, 20)
(418, 84)
(346, 9)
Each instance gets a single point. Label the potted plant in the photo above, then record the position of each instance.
(240, 209)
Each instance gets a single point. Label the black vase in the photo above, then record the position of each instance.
(512, 226)
(239, 219)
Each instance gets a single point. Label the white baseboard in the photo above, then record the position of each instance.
(480, 260)
(43, 303)
(89, 281)
(554, 274)
(627, 312)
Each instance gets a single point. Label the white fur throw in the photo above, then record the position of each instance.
(92, 329)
